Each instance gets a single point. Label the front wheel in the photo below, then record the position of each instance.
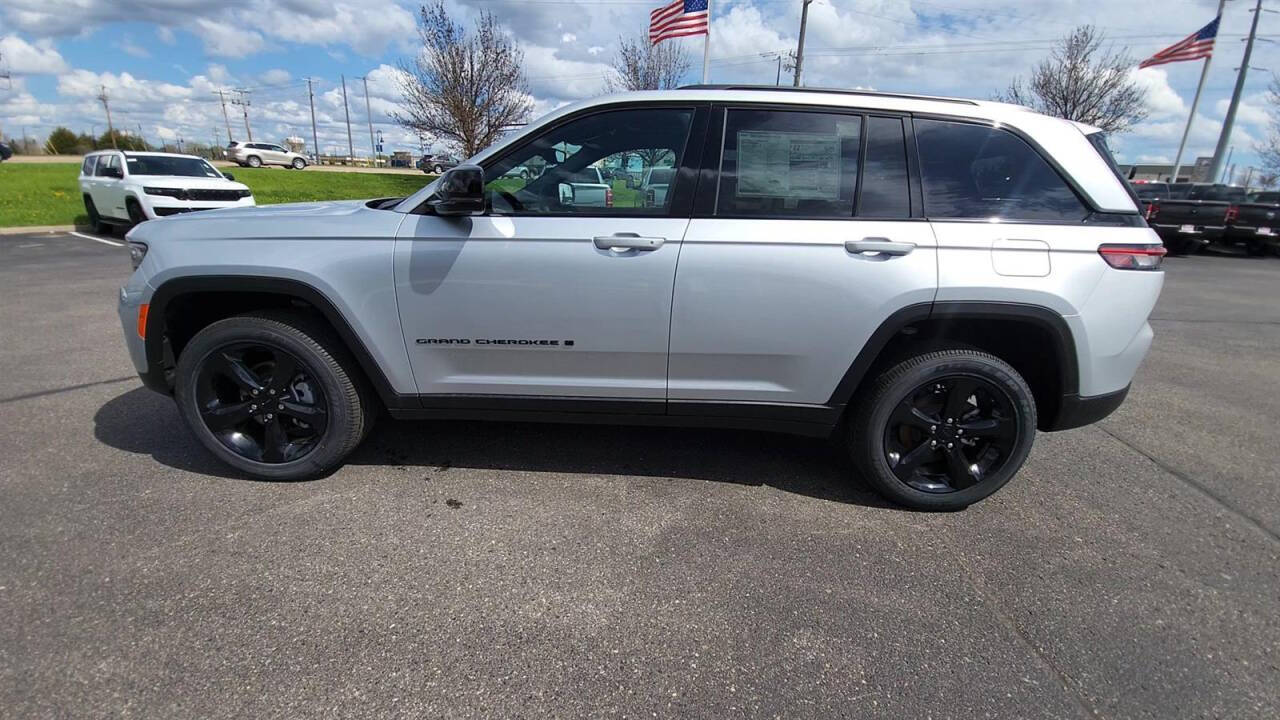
(136, 213)
(943, 430)
(274, 395)
(437, 169)
(299, 163)
(255, 161)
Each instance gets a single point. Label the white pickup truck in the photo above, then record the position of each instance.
(590, 189)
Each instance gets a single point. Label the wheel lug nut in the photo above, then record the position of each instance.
(269, 416)
(280, 406)
(253, 392)
(253, 407)
(933, 428)
(949, 445)
(273, 392)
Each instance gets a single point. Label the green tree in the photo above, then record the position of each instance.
(63, 142)
(123, 141)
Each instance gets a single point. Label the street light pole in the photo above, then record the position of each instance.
(1225, 137)
(804, 21)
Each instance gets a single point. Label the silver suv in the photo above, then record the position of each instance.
(927, 281)
(257, 154)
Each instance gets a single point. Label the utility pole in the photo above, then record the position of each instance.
(105, 106)
(369, 115)
(225, 118)
(315, 142)
(243, 102)
(1195, 101)
(1225, 137)
(351, 151)
(804, 20)
(1231, 151)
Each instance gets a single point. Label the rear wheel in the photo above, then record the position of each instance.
(274, 395)
(255, 161)
(437, 169)
(943, 430)
(1256, 248)
(1180, 245)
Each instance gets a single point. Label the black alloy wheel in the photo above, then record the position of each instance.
(942, 429)
(950, 434)
(261, 402)
(136, 215)
(96, 223)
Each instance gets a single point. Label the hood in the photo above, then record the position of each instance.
(286, 211)
(187, 182)
(313, 220)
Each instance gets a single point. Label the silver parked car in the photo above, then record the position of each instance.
(257, 154)
(928, 281)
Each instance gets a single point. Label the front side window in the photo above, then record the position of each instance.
(107, 163)
(979, 172)
(592, 165)
(789, 164)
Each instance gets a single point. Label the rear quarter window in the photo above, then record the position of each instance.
(86, 168)
(978, 172)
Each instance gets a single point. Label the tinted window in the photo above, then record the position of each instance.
(1150, 191)
(661, 176)
(885, 191)
(164, 165)
(974, 171)
(87, 167)
(1267, 197)
(1217, 193)
(789, 164)
(543, 176)
(106, 162)
(1180, 191)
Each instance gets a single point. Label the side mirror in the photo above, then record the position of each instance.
(115, 173)
(566, 194)
(228, 176)
(459, 191)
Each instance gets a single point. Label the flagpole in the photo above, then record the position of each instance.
(1195, 102)
(706, 48)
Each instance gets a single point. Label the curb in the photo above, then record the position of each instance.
(31, 229)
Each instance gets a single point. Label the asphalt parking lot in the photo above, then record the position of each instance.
(506, 570)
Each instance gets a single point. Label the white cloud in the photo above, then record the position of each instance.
(568, 38)
(24, 58)
(223, 40)
(1162, 100)
(276, 76)
(165, 35)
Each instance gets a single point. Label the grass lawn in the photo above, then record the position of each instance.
(49, 194)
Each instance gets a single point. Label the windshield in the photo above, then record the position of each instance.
(1151, 191)
(1220, 193)
(160, 165)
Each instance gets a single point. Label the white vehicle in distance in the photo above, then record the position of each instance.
(126, 188)
(654, 186)
(257, 154)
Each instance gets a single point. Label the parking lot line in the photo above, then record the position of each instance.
(95, 239)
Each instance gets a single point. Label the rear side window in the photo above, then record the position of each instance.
(87, 167)
(885, 189)
(978, 172)
(1218, 193)
(789, 164)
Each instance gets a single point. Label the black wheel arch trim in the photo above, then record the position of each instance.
(1053, 323)
(158, 353)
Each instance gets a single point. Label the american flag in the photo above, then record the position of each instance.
(679, 19)
(1195, 46)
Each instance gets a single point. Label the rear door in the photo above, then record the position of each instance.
(806, 236)
(108, 197)
(542, 298)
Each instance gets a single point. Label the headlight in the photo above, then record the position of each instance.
(167, 192)
(137, 251)
(246, 193)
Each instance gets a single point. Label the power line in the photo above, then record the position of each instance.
(244, 103)
(107, 106)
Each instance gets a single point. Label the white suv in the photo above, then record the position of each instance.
(927, 281)
(126, 188)
(257, 154)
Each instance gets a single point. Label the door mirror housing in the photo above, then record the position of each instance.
(566, 194)
(459, 191)
(113, 173)
(228, 176)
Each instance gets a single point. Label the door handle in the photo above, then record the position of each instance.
(628, 241)
(884, 246)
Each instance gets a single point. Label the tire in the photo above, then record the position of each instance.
(299, 163)
(1255, 248)
(136, 214)
(1180, 245)
(889, 440)
(96, 224)
(437, 170)
(254, 161)
(326, 409)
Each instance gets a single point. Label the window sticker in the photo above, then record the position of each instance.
(791, 165)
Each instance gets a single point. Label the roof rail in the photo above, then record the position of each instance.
(837, 91)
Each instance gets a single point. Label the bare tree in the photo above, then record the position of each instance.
(465, 89)
(1084, 81)
(641, 65)
(1268, 148)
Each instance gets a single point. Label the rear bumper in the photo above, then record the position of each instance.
(1209, 232)
(1078, 411)
(1244, 232)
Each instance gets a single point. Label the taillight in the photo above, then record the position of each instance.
(1133, 257)
(1233, 212)
(608, 197)
(1153, 210)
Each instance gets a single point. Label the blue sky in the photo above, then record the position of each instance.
(163, 60)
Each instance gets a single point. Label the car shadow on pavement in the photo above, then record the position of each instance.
(140, 421)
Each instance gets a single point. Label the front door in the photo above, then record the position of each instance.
(543, 297)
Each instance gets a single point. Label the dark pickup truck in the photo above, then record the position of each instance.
(1188, 216)
(1256, 224)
